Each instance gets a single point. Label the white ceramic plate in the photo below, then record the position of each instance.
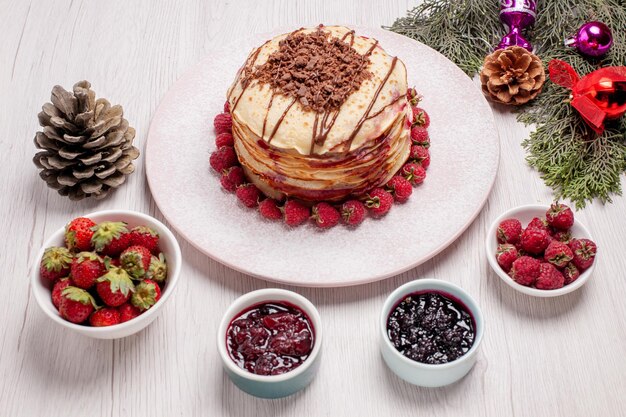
(465, 154)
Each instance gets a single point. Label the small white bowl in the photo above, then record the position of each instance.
(271, 386)
(423, 374)
(168, 245)
(525, 214)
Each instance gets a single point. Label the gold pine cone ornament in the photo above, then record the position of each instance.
(512, 76)
(86, 144)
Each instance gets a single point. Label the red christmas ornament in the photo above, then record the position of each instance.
(598, 96)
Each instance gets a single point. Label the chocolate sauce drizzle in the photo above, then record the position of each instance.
(324, 121)
(369, 107)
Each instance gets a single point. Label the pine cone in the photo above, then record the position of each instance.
(87, 144)
(512, 76)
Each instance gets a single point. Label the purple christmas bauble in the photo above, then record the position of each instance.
(517, 15)
(592, 39)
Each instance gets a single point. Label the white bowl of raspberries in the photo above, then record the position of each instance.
(107, 274)
(541, 250)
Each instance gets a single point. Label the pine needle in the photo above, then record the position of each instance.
(569, 156)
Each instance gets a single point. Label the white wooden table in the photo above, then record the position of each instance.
(540, 357)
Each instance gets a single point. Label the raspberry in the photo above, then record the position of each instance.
(325, 215)
(549, 277)
(525, 270)
(421, 155)
(560, 216)
(506, 255)
(535, 241)
(223, 122)
(558, 254)
(564, 236)
(224, 157)
(353, 212)
(509, 231)
(420, 118)
(584, 251)
(226, 107)
(413, 97)
(224, 139)
(570, 273)
(379, 202)
(419, 136)
(414, 173)
(400, 187)
(537, 223)
(232, 178)
(248, 194)
(296, 213)
(270, 210)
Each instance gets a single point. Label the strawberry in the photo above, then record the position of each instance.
(55, 263)
(145, 236)
(128, 312)
(509, 231)
(223, 122)
(584, 251)
(78, 234)
(420, 118)
(296, 213)
(506, 254)
(419, 136)
(107, 316)
(558, 254)
(379, 202)
(87, 267)
(413, 97)
(549, 277)
(525, 270)
(136, 261)
(560, 216)
(232, 178)
(353, 212)
(224, 139)
(325, 215)
(76, 304)
(110, 238)
(115, 287)
(223, 158)
(248, 194)
(400, 187)
(226, 107)
(58, 288)
(571, 273)
(534, 241)
(414, 173)
(270, 210)
(157, 271)
(539, 223)
(420, 155)
(146, 294)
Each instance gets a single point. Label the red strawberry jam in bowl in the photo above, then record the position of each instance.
(430, 332)
(269, 341)
(270, 338)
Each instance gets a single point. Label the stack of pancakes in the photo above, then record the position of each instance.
(290, 148)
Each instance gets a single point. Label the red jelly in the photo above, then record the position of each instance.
(270, 338)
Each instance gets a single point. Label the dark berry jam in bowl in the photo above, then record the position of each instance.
(269, 341)
(430, 332)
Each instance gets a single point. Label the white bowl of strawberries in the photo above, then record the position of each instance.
(541, 251)
(108, 274)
